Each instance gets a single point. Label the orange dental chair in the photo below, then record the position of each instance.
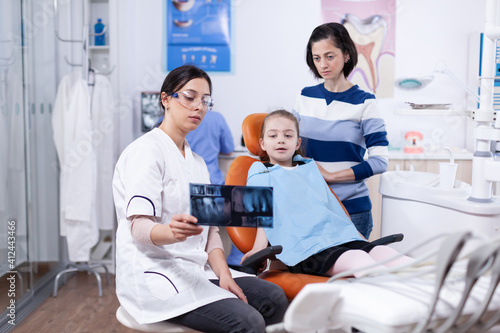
(243, 238)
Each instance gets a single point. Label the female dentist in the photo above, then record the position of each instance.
(167, 267)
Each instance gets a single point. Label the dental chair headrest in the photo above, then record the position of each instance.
(251, 128)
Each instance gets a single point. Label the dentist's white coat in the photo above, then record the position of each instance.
(155, 283)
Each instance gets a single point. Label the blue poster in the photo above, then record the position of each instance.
(198, 32)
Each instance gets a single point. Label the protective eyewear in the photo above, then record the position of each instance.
(190, 100)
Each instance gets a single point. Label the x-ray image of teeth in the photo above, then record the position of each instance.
(369, 36)
(150, 110)
(217, 210)
(237, 206)
(251, 200)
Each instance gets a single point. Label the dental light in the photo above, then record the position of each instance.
(416, 83)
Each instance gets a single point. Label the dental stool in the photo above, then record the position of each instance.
(243, 238)
(161, 327)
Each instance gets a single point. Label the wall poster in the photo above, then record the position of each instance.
(198, 32)
(371, 25)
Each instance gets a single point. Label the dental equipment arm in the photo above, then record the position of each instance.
(479, 262)
(475, 319)
(450, 250)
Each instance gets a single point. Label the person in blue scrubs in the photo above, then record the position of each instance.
(211, 138)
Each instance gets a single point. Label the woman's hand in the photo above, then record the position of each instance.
(180, 227)
(183, 226)
(326, 175)
(227, 282)
(341, 176)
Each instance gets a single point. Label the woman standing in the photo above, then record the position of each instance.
(169, 268)
(340, 123)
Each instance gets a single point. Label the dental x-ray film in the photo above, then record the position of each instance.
(232, 206)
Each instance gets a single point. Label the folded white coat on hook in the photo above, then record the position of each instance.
(83, 136)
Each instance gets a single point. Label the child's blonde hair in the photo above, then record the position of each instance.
(279, 113)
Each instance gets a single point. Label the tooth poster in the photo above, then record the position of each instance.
(371, 25)
(198, 32)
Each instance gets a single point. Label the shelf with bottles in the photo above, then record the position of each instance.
(98, 23)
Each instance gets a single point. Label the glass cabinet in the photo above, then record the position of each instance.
(30, 249)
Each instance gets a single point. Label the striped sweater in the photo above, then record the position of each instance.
(337, 130)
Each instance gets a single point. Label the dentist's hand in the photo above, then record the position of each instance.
(227, 282)
(183, 226)
(180, 227)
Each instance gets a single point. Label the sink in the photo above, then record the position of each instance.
(423, 187)
(415, 185)
(413, 204)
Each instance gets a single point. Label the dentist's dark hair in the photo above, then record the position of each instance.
(179, 77)
(340, 38)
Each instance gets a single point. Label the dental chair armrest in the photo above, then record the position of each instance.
(388, 239)
(252, 263)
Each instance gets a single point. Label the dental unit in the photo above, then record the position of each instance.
(451, 289)
(486, 170)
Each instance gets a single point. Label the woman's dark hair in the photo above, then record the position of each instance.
(279, 113)
(179, 77)
(340, 38)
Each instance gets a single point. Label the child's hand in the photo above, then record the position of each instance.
(247, 255)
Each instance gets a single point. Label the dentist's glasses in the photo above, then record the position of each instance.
(190, 100)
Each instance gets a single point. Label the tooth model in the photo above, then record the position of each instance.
(368, 35)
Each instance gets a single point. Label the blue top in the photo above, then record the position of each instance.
(307, 218)
(210, 138)
(337, 131)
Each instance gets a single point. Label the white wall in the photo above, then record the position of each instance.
(269, 39)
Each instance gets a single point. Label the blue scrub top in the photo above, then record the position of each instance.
(211, 138)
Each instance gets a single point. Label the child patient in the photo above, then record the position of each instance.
(316, 233)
